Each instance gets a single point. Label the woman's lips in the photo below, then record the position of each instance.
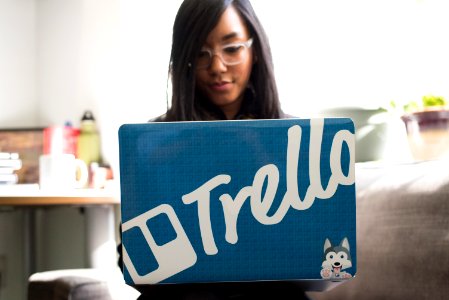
(220, 86)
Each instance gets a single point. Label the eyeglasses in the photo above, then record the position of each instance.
(230, 54)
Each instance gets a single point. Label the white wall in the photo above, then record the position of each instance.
(18, 108)
(59, 58)
(77, 46)
(112, 57)
(107, 56)
(357, 52)
(18, 105)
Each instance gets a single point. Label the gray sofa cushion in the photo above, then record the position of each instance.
(402, 233)
(79, 284)
(57, 285)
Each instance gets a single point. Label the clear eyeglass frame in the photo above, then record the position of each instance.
(228, 60)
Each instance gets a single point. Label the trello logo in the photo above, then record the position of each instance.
(170, 260)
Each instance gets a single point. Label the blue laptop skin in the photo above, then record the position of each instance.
(245, 200)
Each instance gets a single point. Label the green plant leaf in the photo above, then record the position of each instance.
(431, 100)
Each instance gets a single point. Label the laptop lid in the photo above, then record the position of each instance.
(227, 201)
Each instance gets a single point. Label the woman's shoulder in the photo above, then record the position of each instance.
(284, 115)
(161, 118)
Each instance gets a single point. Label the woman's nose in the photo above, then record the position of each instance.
(217, 64)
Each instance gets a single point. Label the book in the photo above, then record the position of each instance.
(9, 178)
(9, 155)
(6, 170)
(19, 189)
(16, 164)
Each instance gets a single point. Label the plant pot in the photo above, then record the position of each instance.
(379, 135)
(428, 134)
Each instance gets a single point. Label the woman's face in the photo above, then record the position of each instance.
(222, 83)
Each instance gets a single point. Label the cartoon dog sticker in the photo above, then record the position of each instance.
(336, 259)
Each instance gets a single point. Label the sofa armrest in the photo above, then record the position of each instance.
(79, 284)
(402, 233)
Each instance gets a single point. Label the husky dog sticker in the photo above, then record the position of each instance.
(335, 260)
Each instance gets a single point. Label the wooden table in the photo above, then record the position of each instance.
(31, 195)
(99, 209)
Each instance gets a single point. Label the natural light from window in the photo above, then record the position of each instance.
(326, 53)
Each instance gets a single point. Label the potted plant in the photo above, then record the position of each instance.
(427, 125)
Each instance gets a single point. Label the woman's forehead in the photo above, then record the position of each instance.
(230, 26)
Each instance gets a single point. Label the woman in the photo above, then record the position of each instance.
(221, 65)
(221, 69)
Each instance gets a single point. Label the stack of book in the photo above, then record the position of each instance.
(10, 163)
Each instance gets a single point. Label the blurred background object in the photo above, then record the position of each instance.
(428, 133)
(27, 144)
(379, 134)
(10, 163)
(61, 139)
(89, 149)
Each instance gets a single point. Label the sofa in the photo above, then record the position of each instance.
(402, 240)
(402, 233)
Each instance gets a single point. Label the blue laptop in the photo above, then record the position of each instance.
(233, 201)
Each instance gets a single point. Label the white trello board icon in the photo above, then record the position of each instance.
(172, 257)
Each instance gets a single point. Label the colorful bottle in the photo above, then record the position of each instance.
(88, 148)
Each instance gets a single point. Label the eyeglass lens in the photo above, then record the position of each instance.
(229, 55)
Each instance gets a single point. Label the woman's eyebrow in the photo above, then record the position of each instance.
(229, 36)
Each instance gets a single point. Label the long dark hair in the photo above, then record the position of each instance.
(194, 20)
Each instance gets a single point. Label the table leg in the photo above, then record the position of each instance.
(29, 221)
(100, 236)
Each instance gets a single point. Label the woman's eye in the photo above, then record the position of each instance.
(232, 49)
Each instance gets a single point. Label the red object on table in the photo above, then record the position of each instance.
(60, 139)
